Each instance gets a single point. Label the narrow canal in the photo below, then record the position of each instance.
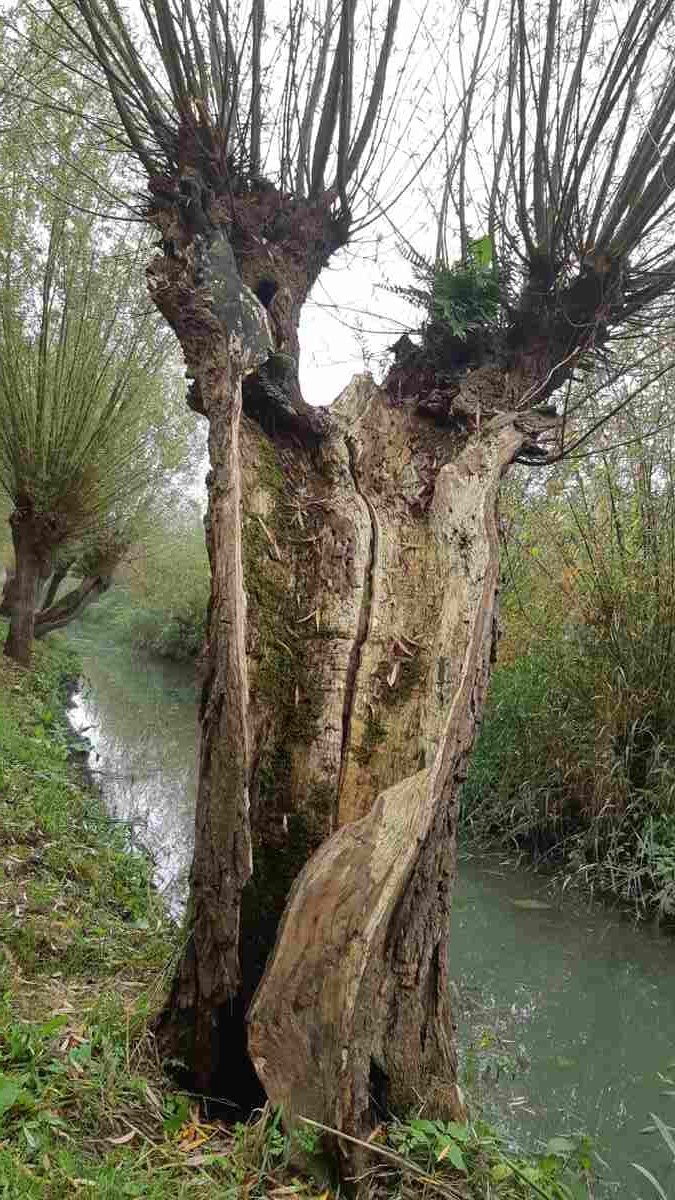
(566, 1013)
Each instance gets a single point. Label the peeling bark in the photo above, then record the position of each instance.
(224, 333)
(208, 980)
(363, 626)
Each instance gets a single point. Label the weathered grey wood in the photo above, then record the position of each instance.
(223, 333)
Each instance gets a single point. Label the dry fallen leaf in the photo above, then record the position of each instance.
(122, 1139)
(193, 1134)
(153, 1098)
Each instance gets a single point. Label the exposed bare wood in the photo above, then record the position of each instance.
(353, 1012)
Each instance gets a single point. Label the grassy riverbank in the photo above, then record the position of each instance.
(85, 1109)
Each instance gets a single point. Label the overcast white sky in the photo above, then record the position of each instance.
(351, 316)
(349, 321)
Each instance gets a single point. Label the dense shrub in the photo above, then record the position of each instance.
(167, 591)
(177, 635)
(576, 758)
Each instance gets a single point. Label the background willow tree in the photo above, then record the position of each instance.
(368, 548)
(90, 412)
(80, 376)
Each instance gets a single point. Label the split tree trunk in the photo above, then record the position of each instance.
(371, 569)
(70, 606)
(352, 1019)
(354, 565)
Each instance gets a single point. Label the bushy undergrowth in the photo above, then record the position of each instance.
(168, 590)
(555, 775)
(85, 1109)
(576, 757)
(176, 632)
(160, 596)
(165, 593)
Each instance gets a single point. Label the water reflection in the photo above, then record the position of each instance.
(139, 716)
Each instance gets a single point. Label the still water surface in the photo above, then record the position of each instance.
(566, 1015)
(585, 1005)
(140, 717)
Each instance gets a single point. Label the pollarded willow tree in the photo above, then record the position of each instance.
(81, 374)
(91, 411)
(354, 549)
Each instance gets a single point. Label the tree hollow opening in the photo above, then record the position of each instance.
(266, 290)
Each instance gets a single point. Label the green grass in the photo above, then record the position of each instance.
(76, 904)
(85, 944)
(85, 947)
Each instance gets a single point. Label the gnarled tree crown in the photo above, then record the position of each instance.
(244, 96)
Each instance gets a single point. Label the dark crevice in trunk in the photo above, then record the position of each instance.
(266, 290)
(272, 398)
(234, 1091)
(378, 1091)
(363, 628)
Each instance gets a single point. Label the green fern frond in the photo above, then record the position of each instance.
(464, 296)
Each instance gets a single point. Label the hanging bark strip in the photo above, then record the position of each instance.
(353, 1014)
(223, 333)
(209, 975)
